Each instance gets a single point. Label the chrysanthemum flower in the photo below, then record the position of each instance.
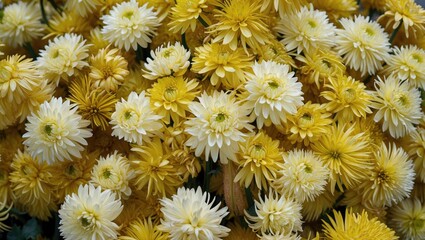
(241, 20)
(190, 214)
(134, 82)
(185, 15)
(127, 25)
(408, 219)
(398, 104)
(303, 176)
(97, 40)
(309, 123)
(187, 164)
(89, 214)
(312, 210)
(4, 215)
(63, 57)
(154, 170)
(167, 60)
(306, 30)
(356, 226)
(414, 144)
(272, 93)
(222, 65)
(258, 159)
(348, 98)
(276, 52)
(142, 229)
(56, 132)
(113, 172)
(391, 179)
(336, 9)
(407, 63)
(20, 24)
(283, 6)
(407, 13)
(218, 126)
(275, 214)
(68, 22)
(83, 8)
(134, 119)
(108, 69)
(363, 44)
(346, 154)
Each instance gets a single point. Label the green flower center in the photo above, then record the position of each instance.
(48, 129)
(220, 117)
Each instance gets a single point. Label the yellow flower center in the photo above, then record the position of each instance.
(308, 168)
(220, 117)
(170, 93)
(127, 115)
(87, 220)
(369, 31)
(312, 23)
(335, 155)
(128, 14)
(349, 95)
(106, 173)
(403, 99)
(417, 57)
(273, 84)
(258, 152)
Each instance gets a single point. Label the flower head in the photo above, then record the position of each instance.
(143, 229)
(89, 214)
(185, 14)
(336, 9)
(56, 132)
(414, 144)
(408, 219)
(83, 8)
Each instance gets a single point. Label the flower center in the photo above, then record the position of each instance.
(382, 177)
(48, 129)
(312, 23)
(170, 93)
(349, 95)
(127, 115)
(308, 168)
(417, 57)
(220, 117)
(326, 63)
(128, 14)
(106, 173)
(369, 31)
(273, 84)
(87, 220)
(168, 52)
(335, 155)
(403, 100)
(258, 151)
(418, 223)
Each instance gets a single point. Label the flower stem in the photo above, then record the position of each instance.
(393, 35)
(139, 54)
(55, 6)
(184, 41)
(207, 176)
(43, 12)
(30, 50)
(202, 21)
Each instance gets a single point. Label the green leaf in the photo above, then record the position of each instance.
(31, 229)
(15, 234)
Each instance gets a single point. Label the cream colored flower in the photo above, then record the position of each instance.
(82, 7)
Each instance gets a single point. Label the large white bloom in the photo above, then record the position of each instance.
(56, 132)
(272, 93)
(363, 44)
(128, 25)
(134, 119)
(217, 126)
(89, 214)
(190, 214)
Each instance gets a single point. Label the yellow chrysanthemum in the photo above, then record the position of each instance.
(414, 144)
(187, 164)
(4, 215)
(170, 97)
(222, 64)
(83, 8)
(68, 22)
(94, 105)
(186, 13)
(353, 199)
(408, 219)
(312, 210)
(336, 9)
(309, 123)
(108, 69)
(283, 6)
(275, 51)
(346, 154)
(348, 98)
(356, 226)
(145, 229)
(258, 159)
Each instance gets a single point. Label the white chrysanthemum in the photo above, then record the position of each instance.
(408, 63)
(82, 7)
(272, 93)
(21, 23)
(190, 214)
(56, 132)
(113, 172)
(134, 119)
(306, 30)
(63, 56)
(398, 104)
(275, 214)
(363, 44)
(128, 25)
(89, 214)
(218, 126)
(303, 176)
(167, 60)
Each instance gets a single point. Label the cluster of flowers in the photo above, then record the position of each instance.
(209, 119)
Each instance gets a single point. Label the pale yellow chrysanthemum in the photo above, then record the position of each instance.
(363, 44)
(186, 14)
(346, 154)
(89, 214)
(259, 159)
(398, 105)
(56, 132)
(187, 164)
(241, 20)
(348, 98)
(238, 232)
(222, 65)
(391, 179)
(63, 57)
(336, 9)
(356, 226)
(21, 24)
(407, 63)
(4, 215)
(414, 144)
(97, 40)
(309, 123)
(113, 172)
(276, 52)
(275, 214)
(171, 96)
(68, 22)
(312, 210)
(167, 60)
(83, 8)
(142, 229)
(133, 119)
(154, 170)
(407, 13)
(408, 219)
(307, 30)
(218, 126)
(272, 93)
(191, 214)
(128, 25)
(108, 69)
(303, 176)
